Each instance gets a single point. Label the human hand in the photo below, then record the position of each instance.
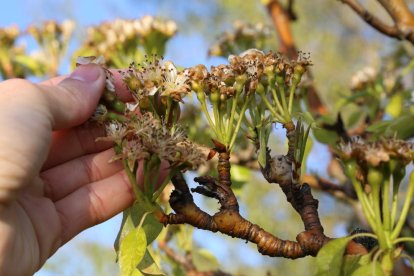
(55, 181)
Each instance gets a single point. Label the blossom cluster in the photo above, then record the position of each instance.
(249, 69)
(243, 36)
(154, 75)
(246, 70)
(375, 153)
(52, 33)
(109, 37)
(144, 136)
(9, 35)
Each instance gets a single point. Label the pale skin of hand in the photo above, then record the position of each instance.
(55, 181)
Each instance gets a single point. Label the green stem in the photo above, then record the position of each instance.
(377, 210)
(386, 204)
(271, 109)
(394, 207)
(217, 119)
(291, 96)
(283, 97)
(163, 184)
(207, 114)
(366, 207)
(276, 99)
(241, 115)
(139, 195)
(364, 235)
(233, 111)
(405, 209)
(404, 239)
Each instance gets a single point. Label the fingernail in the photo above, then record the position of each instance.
(86, 73)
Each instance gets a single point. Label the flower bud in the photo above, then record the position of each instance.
(375, 177)
(215, 97)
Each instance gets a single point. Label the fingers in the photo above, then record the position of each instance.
(64, 179)
(93, 204)
(121, 89)
(74, 99)
(71, 143)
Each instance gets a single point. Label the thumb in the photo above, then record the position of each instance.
(75, 98)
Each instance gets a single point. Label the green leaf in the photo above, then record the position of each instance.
(204, 260)
(147, 266)
(395, 105)
(185, 238)
(369, 269)
(402, 127)
(239, 176)
(378, 127)
(356, 118)
(330, 257)
(325, 136)
(351, 263)
(133, 216)
(132, 250)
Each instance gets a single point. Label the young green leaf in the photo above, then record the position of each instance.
(369, 269)
(204, 260)
(148, 266)
(131, 251)
(330, 258)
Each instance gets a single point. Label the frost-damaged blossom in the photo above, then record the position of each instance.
(175, 85)
(9, 35)
(110, 36)
(363, 78)
(144, 136)
(115, 132)
(100, 114)
(153, 76)
(375, 153)
(172, 146)
(243, 36)
(249, 68)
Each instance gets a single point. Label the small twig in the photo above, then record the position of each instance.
(403, 18)
(184, 261)
(290, 11)
(371, 19)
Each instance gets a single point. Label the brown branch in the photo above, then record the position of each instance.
(186, 262)
(228, 219)
(371, 19)
(281, 19)
(398, 10)
(230, 222)
(339, 191)
(290, 11)
(281, 22)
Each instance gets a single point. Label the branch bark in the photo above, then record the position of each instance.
(403, 18)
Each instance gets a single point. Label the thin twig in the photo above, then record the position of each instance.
(371, 19)
(403, 18)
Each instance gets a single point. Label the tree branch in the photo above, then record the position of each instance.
(371, 19)
(398, 10)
